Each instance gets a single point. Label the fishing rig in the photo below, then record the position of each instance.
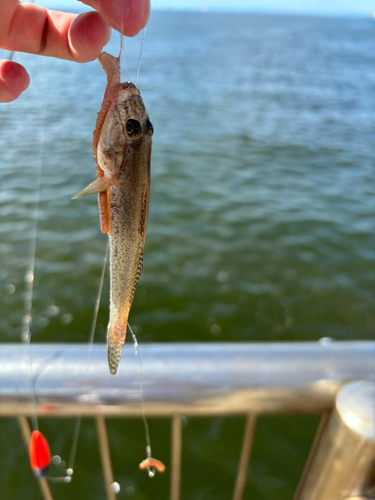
(39, 450)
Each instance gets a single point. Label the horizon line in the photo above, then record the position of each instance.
(265, 11)
(232, 10)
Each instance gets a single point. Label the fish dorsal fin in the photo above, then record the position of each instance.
(111, 66)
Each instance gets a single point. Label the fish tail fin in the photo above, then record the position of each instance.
(116, 335)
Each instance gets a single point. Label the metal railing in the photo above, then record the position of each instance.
(336, 379)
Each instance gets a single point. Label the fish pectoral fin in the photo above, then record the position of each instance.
(95, 187)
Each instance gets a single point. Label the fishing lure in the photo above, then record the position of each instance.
(122, 153)
(154, 463)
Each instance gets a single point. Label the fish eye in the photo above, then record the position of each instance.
(149, 126)
(133, 127)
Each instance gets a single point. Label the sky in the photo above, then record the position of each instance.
(330, 7)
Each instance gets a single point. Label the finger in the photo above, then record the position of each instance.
(87, 36)
(13, 80)
(7, 11)
(126, 16)
(36, 30)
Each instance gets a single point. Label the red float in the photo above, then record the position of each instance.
(40, 456)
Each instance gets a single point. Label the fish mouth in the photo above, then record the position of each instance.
(130, 88)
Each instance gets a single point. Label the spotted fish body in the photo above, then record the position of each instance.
(122, 151)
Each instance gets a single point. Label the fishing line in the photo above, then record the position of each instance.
(36, 437)
(56, 459)
(150, 472)
(140, 56)
(30, 273)
(29, 287)
(77, 426)
(27, 318)
(121, 55)
(121, 58)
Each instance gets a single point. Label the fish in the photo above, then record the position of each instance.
(122, 142)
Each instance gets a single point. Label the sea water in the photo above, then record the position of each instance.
(261, 224)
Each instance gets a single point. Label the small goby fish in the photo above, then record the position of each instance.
(122, 152)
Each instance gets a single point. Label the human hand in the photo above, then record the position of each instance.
(25, 27)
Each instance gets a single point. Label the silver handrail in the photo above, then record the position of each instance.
(185, 379)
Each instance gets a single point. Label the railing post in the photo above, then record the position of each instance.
(343, 464)
(176, 457)
(105, 456)
(245, 456)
